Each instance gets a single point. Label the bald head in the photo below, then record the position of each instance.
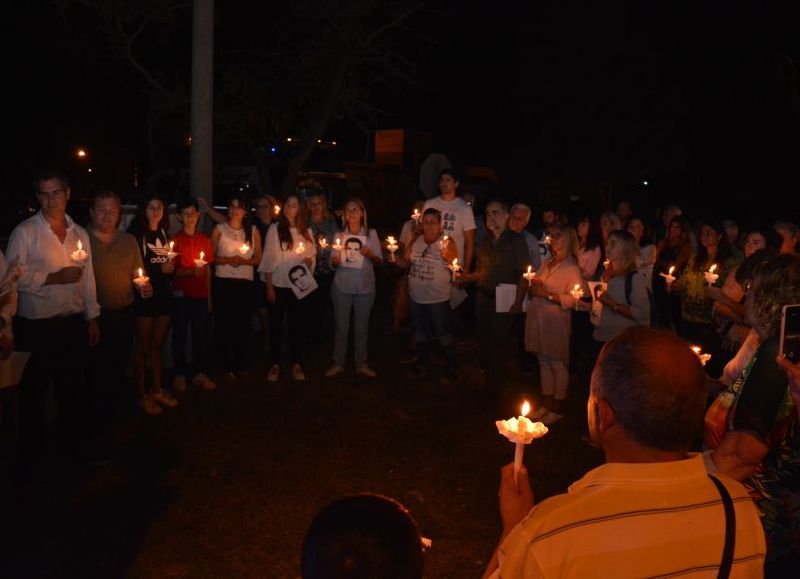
(656, 386)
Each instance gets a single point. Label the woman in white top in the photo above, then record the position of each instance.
(289, 244)
(237, 250)
(354, 287)
(548, 321)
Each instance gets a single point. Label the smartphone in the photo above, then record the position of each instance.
(790, 333)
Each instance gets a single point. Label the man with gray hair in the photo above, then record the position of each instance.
(651, 510)
(517, 221)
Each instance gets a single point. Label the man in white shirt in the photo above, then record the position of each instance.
(458, 221)
(57, 311)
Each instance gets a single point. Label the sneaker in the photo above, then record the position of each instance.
(450, 378)
(551, 418)
(165, 398)
(334, 370)
(149, 406)
(274, 373)
(297, 373)
(179, 383)
(366, 371)
(204, 382)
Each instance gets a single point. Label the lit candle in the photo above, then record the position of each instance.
(704, 358)
(200, 262)
(323, 243)
(171, 253)
(416, 215)
(711, 277)
(529, 275)
(520, 431)
(79, 256)
(141, 280)
(276, 209)
(577, 294)
(443, 242)
(300, 249)
(243, 249)
(668, 276)
(548, 240)
(337, 245)
(455, 268)
(607, 264)
(391, 245)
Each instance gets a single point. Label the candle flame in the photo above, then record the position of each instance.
(202, 255)
(276, 209)
(529, 269)
(671, 269)
(455, 262)
(391, 240)
(338, 241)
(712, 268)
(525, 408)
(171, 245)
(577, 287)
(80, 245)
(697, 350)
(141, 273)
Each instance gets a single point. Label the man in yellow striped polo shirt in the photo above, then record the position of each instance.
(651, 510)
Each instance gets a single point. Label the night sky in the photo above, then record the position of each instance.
(697, 98)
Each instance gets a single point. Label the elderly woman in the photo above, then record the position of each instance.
(548, 321)
(625, 302)
(751, 429)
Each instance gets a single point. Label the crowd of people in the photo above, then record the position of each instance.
(587, 294)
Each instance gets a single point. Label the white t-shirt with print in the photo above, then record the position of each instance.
(457, 218)
(428, 275)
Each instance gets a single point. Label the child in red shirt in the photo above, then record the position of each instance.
(192, 299)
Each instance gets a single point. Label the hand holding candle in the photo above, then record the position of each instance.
(244, 249)
(392, 246)
(200, 262)
(171, 253)
(711, 277)
(79, 256)
(323, 243)
(443, 242)
(529, 275)
(141, 281)
(455, 268)
(704, 358)
(520, 431)
(300, 249)
(576, 293)
(668, 276)
(276, 210)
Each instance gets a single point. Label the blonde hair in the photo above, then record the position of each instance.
(572, 239)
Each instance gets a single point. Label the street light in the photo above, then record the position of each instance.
(81, 153)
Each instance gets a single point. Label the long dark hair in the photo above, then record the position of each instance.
(300, 222)
(594, 237)
(247, 220)
(723, 247)
(140, 226)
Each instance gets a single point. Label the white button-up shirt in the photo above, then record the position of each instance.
(41, 253)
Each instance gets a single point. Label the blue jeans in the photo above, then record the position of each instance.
(433, 321)
(361, 304)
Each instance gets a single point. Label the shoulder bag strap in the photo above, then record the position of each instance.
(730, 529)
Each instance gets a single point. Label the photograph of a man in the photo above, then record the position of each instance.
(352, 252)
(303, 283)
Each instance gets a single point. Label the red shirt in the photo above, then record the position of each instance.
(188, 249)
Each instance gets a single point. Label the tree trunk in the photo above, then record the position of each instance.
(202, 123)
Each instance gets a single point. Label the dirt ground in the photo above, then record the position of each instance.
(226, 484)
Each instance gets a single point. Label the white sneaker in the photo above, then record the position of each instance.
(179, 383)
(149, 406)
(366, 371)
(334, 370)
(274, 373)
(297, 373)
(165, 398)
(204, 382)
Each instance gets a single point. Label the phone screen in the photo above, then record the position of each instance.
(790, 333)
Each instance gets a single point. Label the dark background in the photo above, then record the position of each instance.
(590, 98)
